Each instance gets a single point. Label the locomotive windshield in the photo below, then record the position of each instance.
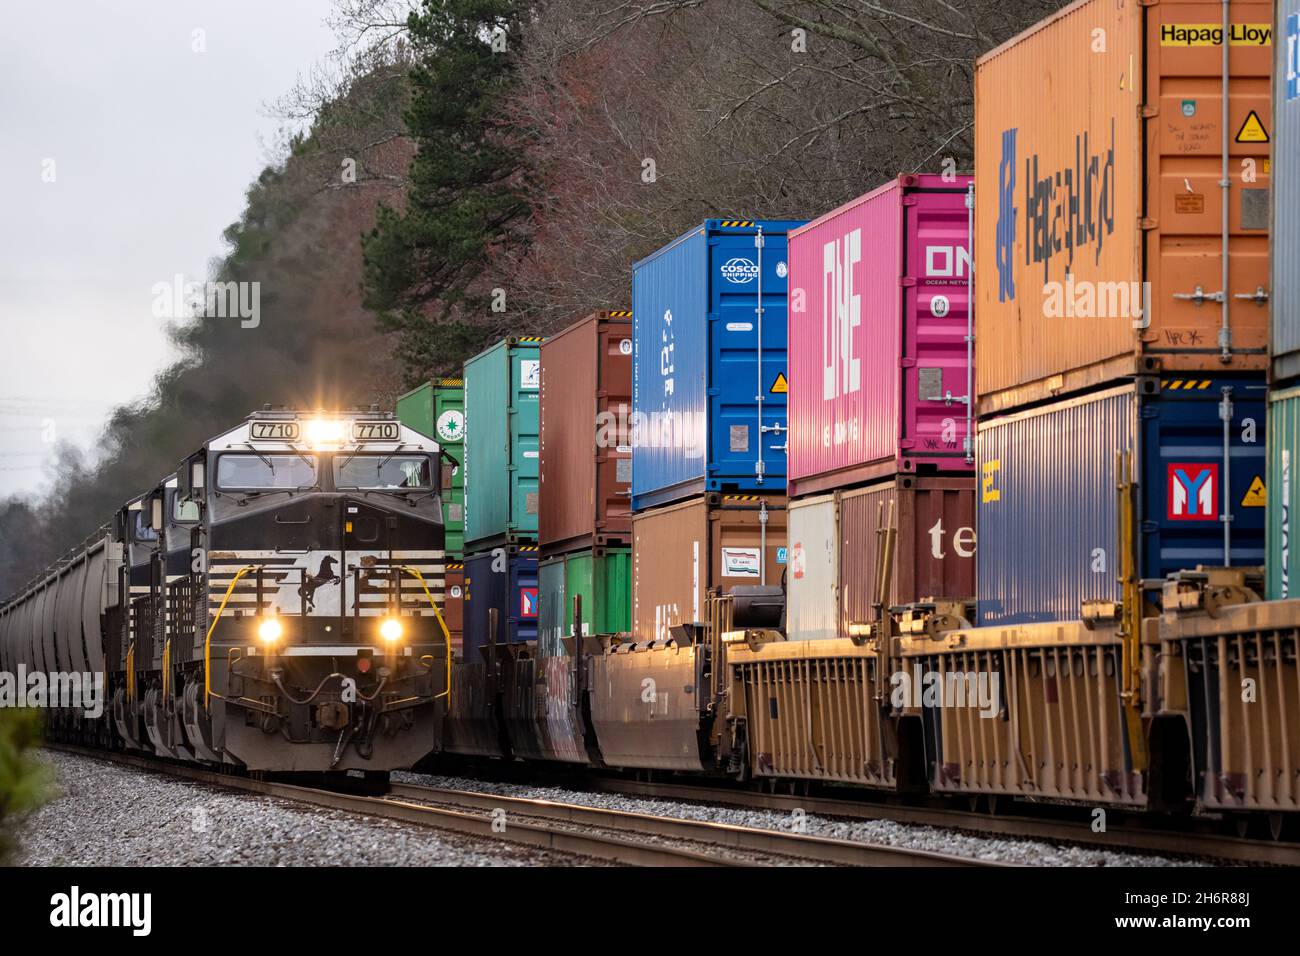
(384, 472)
(266, 472)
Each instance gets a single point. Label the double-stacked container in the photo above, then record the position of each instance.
(1121, 308)
(710, 381)
(502, 392)
(437, 409)
(881, 366)
(585, 517)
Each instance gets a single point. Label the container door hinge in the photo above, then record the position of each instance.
(1147, 223)
(1149, 527)
(906, 362)
(907, 281)
(1148, 111)
(908, 201)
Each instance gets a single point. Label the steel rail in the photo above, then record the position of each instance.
(797, 846)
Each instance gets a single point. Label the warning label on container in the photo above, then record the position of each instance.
(1211, 34)
(1252, 130)
(530, 373)
(1193, 203)
(780, 386)
(1256, 496)
(740, 562)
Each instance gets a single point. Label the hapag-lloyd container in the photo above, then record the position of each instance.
(602, 577)
(586, 464)
(708, 391)
(1286, 194)
(504, 579)
(502, 385)
(879, 358)
(1099, 152)
(437, 409)
(681, 550)
(831, 584)
(1049, 536)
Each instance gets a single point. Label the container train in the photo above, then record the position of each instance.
(274, 605)
(737, 535)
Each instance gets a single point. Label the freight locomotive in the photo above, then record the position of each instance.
(273, 606)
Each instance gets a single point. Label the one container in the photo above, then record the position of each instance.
(708, 390)
(832, 580)
(502, 385)
(682, 550)
(453, 610)
(437, 409)
(1123, 192)
(1283, 491)
(1048, 500)
(1286, 194)
(504, 579)
(880, 358)
(602, 577)
(586, 406)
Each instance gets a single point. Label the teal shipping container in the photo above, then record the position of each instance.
(1283, 431)
(603, 577)
(502, 388)
(437, 409)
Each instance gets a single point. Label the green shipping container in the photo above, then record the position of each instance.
(1282, 492)
(604, 579)
(502, 438)
(437, 409)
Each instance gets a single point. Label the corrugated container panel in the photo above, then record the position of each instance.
(1283, 490)
(437, 409)
(504, 579)
(878, 344)
(501, 443)
(812, 583)
(586, 463)
(1286, 193)
(679, 551)
(934, 544)
(602, 577)
(1048, 527)
(696, 365)
(1113, 197)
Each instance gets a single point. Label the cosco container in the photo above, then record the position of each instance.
(881, 360)
(501, 395)
(832, 579)
(1048, 509)
(1106, 245)
(586, 464)
(437, 409)
(603, 579)
(1283, 491)
(1286, 194)
(504, 580)
(709, 377)
(680, 551)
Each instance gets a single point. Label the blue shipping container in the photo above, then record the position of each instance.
(504, 579)
(696, 365)
(1047, 508)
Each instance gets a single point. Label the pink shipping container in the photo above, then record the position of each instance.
(880, 359)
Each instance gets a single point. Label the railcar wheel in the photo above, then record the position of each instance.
(1241, 824)
(1276, 826)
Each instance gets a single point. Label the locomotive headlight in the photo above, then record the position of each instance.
(321, 431)
(270, 630)
(391, 629)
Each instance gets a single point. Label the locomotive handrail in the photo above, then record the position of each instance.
(207, 640)
(446, 634)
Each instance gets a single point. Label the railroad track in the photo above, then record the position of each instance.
(613, 836)
(1175, 843)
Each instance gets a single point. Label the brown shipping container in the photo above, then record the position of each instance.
(679, 551)
(1099, 145)
(833, 541)
(586, 455)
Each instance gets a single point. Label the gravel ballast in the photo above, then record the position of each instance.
(110, 815)
(1027, 852)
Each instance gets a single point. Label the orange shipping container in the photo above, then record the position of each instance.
(682, 550)
(1099, 145)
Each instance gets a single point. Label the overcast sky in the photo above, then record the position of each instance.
(150, 146)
